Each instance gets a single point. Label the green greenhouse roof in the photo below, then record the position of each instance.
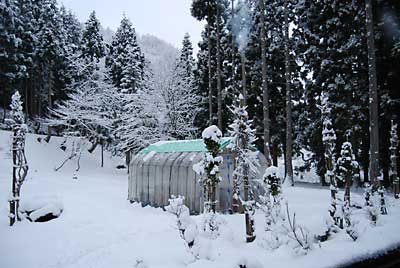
(181, 146)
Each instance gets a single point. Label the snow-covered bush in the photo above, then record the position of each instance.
(186, 226)
(300, 237)
(270, 204)
(347, 168)
(140, 263)
(281, 228)
(370, 205)
(382, 203)
(246, 262)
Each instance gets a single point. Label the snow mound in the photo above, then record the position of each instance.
(42, 208)
(246, 262)
(213, 133)
(271, 171)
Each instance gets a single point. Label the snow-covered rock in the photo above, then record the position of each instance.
(41, 208)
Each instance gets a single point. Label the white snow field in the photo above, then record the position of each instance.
(100, 228)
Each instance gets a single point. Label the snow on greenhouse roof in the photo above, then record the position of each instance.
(181, 146)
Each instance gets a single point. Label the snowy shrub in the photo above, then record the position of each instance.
(211, 224)
(301, 238)
(347, 166)
(370, 205)
(246, 262)
(382, 203)
(349, 224)
(186, 226)
(203, 249)
(140, 264)
(270, 204)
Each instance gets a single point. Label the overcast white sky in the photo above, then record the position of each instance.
(166, 19)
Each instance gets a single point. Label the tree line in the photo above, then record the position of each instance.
(298, 53)
(73, 82)
(284, 56)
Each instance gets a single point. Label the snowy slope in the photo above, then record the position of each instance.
(100, 228)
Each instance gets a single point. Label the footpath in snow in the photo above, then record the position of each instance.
(100, 228)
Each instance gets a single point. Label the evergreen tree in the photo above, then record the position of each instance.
(20, 166)
(328, 139)
(125, 59)
(208, 170)
(93, 47)
(11, 58)
(394, 142)
(347, 169)
(180, 98)
(243, 138)
(334, 59)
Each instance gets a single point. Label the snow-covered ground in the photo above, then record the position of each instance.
(100, 228)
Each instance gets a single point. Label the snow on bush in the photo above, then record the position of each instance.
(246, 262)
(140, 264)
(270, 204)
(213, 133)
(186, 226)
(281, 228)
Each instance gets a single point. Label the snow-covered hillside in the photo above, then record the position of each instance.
(100, 228)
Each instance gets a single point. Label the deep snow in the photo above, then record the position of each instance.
(100, 228)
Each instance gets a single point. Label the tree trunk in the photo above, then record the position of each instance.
(93, 147)
(49, 99)
(332, 181)
(219, 87)
(244, 90)
(102, 154)
(393, 159)
(274, 155)
(26, 100)
(373, 99)
(266, 121)
(13, 209)
(249, 221)
(128, 160)
(210, 96)
(235, 190)
(213, 197)
(233, 47)
(4, 106)
(347, 190)
(288, 154)
(248, 207)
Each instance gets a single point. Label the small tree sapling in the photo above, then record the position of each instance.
(20, 165)
(208, 169)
